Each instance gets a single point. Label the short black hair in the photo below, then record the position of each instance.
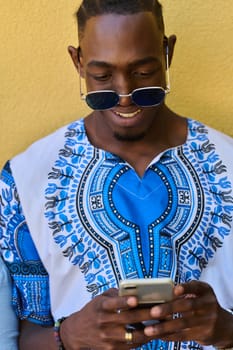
(92, 8)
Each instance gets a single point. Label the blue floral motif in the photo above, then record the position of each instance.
(218, 215)
(93, 227)
(30, 287)
(107, 240)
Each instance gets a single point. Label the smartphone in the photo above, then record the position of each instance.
(149, 291)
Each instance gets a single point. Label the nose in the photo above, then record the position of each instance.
(125, 100)
(123, 86)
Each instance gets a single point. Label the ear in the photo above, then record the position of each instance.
(169, 44)
(75, 54)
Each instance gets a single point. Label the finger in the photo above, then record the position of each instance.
(116, 303)
(135, 317)
(125, 317)
(111, 292)
(137, 338)
(192, 289)
(177, 328)
(187, 334)
(194, 306)
(123, 338)
(190, 296)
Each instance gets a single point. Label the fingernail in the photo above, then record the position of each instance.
(150, 331)
(155, 311)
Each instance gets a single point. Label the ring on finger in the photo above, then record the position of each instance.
(129, 337)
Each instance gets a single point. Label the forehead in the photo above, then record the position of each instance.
(113, 37)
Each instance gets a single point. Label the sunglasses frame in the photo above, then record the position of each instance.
(166, 90)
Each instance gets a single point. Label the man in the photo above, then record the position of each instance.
(132, 190)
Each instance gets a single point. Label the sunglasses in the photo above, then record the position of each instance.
(142, 97)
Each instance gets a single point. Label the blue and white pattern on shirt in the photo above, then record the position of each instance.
(112, 224)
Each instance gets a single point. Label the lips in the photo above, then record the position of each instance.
(128, 115)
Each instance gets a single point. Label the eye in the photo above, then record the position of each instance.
(145, 73)
(101, 77)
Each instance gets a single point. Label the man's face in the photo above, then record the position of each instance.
(123, 53)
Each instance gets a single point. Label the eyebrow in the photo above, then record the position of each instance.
(139, 62)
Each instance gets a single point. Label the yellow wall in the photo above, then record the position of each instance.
(39, 86)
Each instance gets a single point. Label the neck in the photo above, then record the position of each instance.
(166, 131)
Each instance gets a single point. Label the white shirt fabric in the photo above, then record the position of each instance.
(89, 219)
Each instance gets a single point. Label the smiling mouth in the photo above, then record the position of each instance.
(128, 115)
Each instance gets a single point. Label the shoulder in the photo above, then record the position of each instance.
(213, 139)
(28, 172)
(221, 139)
(198, 127)
(37, 159)
(43, 149)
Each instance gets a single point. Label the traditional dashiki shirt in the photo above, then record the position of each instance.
(76, 219)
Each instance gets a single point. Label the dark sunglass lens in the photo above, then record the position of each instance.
(102, 100)
(148, 97)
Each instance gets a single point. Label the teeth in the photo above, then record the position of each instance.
(128, 115)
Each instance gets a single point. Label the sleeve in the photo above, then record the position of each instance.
(8, 319)
(30, 281)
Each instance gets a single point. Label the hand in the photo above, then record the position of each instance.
(200, 317)
(100, 326)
